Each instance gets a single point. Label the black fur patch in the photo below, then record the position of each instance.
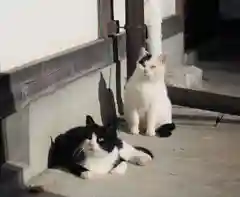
(144, 59)
(66, 153)
(144, 150)
(62, 150)
(165, 130)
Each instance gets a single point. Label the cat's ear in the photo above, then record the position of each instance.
(144, 56)
(89, 121)
(162, 58)
(142, 53)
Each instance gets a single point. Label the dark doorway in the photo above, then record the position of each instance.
(200, 21)
(212, 43)
(207, 31)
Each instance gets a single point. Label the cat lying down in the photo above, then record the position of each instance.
(94, 150)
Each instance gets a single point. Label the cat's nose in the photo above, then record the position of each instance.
(91, 147)
(145, 72)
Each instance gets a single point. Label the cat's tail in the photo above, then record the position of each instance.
(144, 150)
(165, 130)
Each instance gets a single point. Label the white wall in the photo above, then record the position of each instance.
(32, 29)
(168, 8)
(119, 11)
(230, 9)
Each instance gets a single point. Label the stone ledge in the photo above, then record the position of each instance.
(185, 77)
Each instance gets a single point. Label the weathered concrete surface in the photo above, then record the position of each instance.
(198, 160)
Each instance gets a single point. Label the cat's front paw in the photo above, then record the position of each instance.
(150, 133)
(86, 175)
(120, 169)
(134, 131)
(141, 160)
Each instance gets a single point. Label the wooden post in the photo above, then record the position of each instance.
(135, 29)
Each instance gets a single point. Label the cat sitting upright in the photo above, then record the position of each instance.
(94, 150)
(146, 103)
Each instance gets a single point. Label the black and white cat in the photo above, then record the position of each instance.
(94, 150)
(146, 102)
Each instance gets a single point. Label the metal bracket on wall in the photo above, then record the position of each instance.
(113, 32)
(113, 27)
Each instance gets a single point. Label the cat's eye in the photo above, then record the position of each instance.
(153, 66)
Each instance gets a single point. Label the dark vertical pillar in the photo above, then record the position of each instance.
(135, 35)
(7, 107)
(117, 60)
(105, 16)
(109, 28)
(2, 153)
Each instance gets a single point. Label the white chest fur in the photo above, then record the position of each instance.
(143, 96)
(101, 165)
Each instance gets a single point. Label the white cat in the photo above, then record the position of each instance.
(146, 102)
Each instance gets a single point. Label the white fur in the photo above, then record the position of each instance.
(120, 169)
(146, 103)
(100, 162)
(87, 175)
(134, 156)
(153, 20)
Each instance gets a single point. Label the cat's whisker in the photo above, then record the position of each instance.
(77, 151)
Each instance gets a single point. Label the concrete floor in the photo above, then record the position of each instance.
(197, 160)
